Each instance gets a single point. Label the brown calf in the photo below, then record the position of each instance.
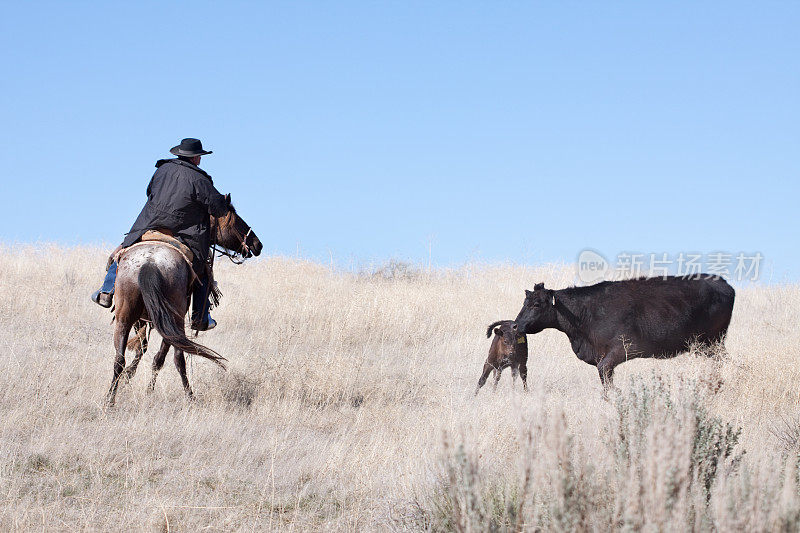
(509, 348)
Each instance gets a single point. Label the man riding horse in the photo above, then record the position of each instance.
(181, 198)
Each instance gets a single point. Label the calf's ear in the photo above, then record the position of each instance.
(497, 331)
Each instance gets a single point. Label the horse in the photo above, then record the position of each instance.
(152, 285)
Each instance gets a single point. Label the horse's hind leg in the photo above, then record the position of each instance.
(180, 364)
(140, 345)
(158, 362)
(121, 332)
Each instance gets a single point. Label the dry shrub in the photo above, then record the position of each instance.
(394, 270)
(240, 388)
(663, 459)
(463, 500)
(787, 432)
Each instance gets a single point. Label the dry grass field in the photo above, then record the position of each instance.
(348, 405)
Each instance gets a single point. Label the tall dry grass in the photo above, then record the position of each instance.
(349, 405)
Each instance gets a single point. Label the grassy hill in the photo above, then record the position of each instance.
(348, 404)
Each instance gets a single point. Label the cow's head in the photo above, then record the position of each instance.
(538, 311)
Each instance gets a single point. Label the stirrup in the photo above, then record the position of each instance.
(204, 325)
(103, 299)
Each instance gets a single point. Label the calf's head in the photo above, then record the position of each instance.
(508, 337)
(538, 311)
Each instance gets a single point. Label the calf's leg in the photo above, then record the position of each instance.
(497, 373)
(487, 368)
(523, 373)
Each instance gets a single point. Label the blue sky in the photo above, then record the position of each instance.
(499, 132)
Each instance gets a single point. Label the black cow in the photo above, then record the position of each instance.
(613, 321)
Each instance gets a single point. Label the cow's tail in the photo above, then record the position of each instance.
(153, 287)
(494, 325)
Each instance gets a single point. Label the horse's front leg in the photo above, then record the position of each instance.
(139, 344)
(121, 332)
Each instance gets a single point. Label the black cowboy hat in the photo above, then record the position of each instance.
(189, 148)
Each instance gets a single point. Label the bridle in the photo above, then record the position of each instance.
(246, 248)
(243, 250)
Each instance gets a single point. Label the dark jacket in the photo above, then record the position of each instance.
(180, 198)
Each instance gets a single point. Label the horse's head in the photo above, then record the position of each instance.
(233, 233)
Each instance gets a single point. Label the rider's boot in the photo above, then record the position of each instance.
(105, 296)
(201, 317)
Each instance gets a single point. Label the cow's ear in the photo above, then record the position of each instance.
(538, 286)
(528, 293)
(497, 331)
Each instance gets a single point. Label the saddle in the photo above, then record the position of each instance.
(166, 236)
(160, 236)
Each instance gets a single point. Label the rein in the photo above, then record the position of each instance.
(232, 256)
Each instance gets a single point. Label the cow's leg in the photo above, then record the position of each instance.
(606, 375)
(514, 374)
(487, 368)
(523, 373)
(121, 332)
(158, 362)
(140, 328)
(607, 364)
(497, 373)
(180, 364)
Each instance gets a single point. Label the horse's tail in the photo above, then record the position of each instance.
(153, 287)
